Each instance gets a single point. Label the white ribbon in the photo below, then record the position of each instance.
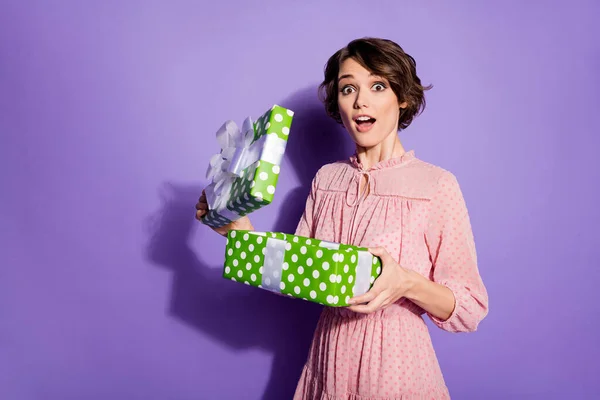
(362, 280)
(238, 152)
(362, 284)
(273, 264)
(275, 254)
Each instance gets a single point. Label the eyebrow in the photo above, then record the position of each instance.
(352, 76)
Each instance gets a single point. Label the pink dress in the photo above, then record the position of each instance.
(417, 212)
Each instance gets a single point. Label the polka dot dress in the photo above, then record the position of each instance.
(417, 212)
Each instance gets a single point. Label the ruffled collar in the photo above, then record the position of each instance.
(392, 162)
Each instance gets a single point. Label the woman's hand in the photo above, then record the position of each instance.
(393, 283)
(241, 224)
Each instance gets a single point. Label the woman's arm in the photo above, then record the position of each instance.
(451, 245)
(435, 299)
(396, 282)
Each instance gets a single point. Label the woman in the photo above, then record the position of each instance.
(408, 212)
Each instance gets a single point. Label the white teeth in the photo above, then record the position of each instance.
(363, 118)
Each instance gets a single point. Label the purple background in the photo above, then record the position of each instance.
(109, 289)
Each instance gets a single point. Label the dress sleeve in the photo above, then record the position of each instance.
(305, 226)
(454, 260)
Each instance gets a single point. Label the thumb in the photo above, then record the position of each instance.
(382, 253)
(377, 251)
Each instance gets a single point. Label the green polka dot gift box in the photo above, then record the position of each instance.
(314, 270)
(244, 174)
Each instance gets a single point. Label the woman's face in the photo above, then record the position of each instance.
(368, 106)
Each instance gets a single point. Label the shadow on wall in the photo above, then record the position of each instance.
(201, 297)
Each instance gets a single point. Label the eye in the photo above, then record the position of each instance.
(346, 90)
(379, 86)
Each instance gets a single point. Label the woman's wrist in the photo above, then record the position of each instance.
(436, 299)
(416, 284)
(242, 224)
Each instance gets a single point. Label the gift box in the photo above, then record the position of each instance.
(244, 174)
(310, 269)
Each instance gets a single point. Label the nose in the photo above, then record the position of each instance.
(362, 99)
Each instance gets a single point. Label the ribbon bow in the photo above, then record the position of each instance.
(237, 153)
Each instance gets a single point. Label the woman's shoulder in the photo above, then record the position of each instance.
(334, 168)
(417, 179)
(425, 172)
(334, 176)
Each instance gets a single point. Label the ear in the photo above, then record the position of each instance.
(403, 105)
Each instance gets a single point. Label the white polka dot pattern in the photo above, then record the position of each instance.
(256, 185)
(285, 259)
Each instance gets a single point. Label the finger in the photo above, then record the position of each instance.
(364, 298)
(382, 253)
(200, 214)
(388, 302)
(378, 287)
(373, 306)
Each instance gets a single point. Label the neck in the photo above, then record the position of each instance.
(391, 147)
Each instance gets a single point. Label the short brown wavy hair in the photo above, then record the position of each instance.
(381, 57)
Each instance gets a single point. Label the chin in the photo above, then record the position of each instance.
(368, 139)
(366, 142)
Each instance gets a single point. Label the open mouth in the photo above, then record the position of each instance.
(364, 122)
